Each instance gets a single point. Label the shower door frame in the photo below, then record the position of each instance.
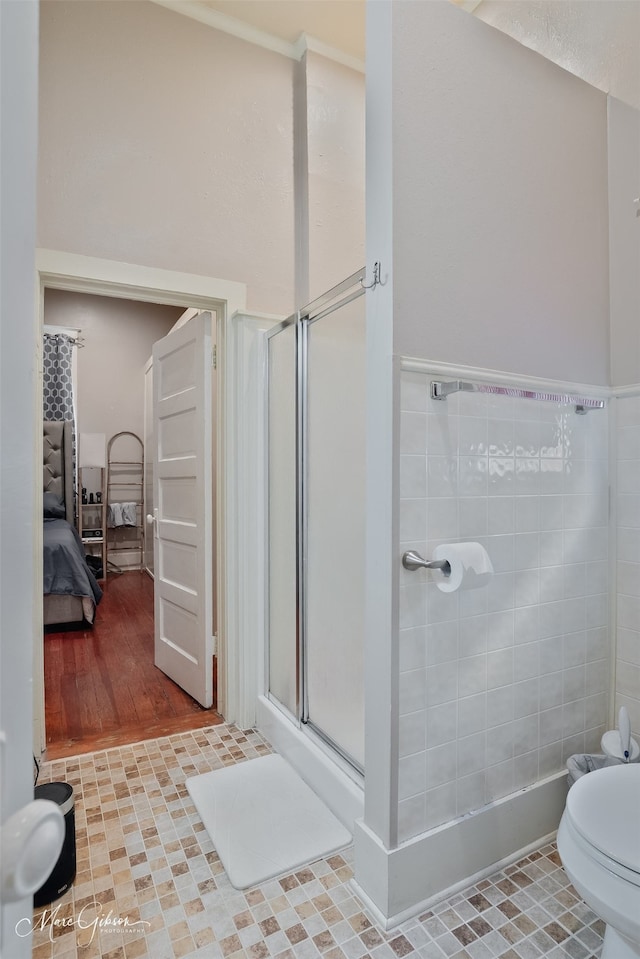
(350, 289)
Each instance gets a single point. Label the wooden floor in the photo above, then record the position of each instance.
(101, 687)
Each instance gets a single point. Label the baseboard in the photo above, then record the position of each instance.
(399, 883)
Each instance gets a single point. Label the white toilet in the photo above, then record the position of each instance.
(599, 844)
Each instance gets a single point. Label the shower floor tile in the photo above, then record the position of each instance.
(150, 884)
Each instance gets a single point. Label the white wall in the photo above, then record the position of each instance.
(500, 201)
(624, 241)
(336, 174)
(118, 337)
(20, 499)
(166, 143)
(182, 151)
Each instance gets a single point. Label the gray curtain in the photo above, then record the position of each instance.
(57, 386)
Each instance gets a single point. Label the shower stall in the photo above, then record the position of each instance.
(312, 709)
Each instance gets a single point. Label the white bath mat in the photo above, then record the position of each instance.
(263, 819)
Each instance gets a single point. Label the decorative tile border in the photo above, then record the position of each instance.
(149, 882)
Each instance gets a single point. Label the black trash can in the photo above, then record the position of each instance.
(64, 871)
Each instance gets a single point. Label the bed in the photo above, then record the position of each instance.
(71, 591)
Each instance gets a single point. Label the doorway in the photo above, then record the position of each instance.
(102, 684)
(82, 274)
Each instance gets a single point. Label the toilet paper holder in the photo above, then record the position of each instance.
(412, 560)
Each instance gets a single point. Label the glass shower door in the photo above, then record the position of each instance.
(316, 551)
(334, 526)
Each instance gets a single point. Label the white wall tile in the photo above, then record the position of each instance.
(526, 624)
(526, 587)
(412, 733)
(471, 792)
(413, 433)
(413, 606)
(551, 583)
(442, 723)
(501, 629)
(440, 804)
(498, 683)
(551, 512)
(413, 520)
(525, 769)
(414, 392)
(441, 764)
(528, 514)
(413, 476)
(573, 683)
(499, 668)
(413, 691)
(442, 643)
(499, 780)
(550, 725)
(472, 753)
(472, 635)
(525, 734)
(472, 714)
(472, 675)
(473, 517)
(442, 683)
(412, 775)
(411, 817)
(526, 661)
(574, 649)
(500, 706)
(501, 514)
(500, 592)
(551, 687)
(527, 551)
(442, 519)
(500, 744)
(413, 648)
(628, 544)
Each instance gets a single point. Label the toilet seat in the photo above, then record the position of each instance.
(603, 808)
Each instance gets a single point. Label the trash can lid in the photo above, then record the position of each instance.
(60, 793)
(603, 807)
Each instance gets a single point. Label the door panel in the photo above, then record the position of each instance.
(183, 544)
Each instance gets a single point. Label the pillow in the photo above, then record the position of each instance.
(53, 507)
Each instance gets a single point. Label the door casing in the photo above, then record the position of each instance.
(82, 274)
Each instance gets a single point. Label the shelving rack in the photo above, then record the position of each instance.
(125, 484)
(92, 517)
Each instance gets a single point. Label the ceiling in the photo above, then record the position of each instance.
(597, 40)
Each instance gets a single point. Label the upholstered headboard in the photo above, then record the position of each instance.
(58, 463)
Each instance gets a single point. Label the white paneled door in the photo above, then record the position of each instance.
(183, 547)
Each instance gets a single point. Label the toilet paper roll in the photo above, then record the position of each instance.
(470, 566)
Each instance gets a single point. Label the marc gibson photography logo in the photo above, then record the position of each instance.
(90, 920)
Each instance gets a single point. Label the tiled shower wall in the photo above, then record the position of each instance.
(499, 685)
(628, 592)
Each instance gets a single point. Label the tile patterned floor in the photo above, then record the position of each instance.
(144, 857)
